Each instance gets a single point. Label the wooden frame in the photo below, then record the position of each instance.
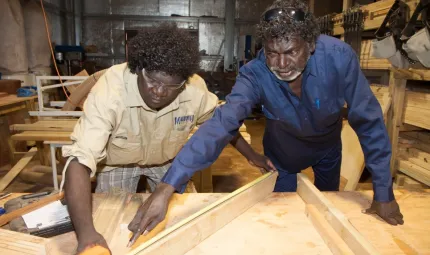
(335, 218)
(338, 233)
(200, 225)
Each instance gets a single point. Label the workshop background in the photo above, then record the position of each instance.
(93, 35)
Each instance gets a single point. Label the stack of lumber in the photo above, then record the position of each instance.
(414, 155)
(374, 14)
(417, 109)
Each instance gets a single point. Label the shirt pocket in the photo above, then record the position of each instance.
(176, 141)
(123, 152)
(326, 112)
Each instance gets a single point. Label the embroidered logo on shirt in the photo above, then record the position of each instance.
(182, 121)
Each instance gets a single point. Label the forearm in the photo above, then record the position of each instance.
(78, 197)
(242, 146)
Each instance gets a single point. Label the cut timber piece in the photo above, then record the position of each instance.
(15, 243)
(311, 195)
(189, 232)
(352, 165)
(330, 237)
(414, 171)
(10, 176)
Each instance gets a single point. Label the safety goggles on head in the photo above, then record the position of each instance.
(155, 83)
(293, 13)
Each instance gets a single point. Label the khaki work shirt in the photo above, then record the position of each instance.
(118, 128)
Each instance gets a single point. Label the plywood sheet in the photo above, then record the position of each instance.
(277, 225)
(411, 238)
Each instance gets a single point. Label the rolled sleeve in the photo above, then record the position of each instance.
(206, 144)
(365, 117)
(91, 132)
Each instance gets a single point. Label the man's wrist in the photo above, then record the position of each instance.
(165, 189)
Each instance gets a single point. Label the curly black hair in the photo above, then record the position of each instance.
(164, 48)
(284, 27)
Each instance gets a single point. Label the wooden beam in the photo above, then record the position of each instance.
(327, 233)
(191, 231)
(397, 90)
(415, 171)
(16, 169)
(312, 196)
(41, 136)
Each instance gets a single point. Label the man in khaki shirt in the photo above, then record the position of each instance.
(136, 119)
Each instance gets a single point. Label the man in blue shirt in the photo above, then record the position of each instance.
(302, 79)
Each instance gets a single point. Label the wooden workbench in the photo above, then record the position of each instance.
(278, 225)
(10, 105)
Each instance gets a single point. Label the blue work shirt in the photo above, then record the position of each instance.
(313, 121)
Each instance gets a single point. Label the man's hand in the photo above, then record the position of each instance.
(388, 211)
(90, 240)
(262, 162)
(153, 210)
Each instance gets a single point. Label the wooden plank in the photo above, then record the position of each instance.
(16, 169)
(417, 109)
(41, 136)
(207, 221)
(414, 171)
(412, 74)
(330, 237)
(13, 99)
(417, 117)
(406, 127)
(418, 157)
(63, 125)
(311, 195)
(12, 243)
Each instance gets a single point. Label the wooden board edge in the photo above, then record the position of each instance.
(311, 195)
(197, 227)
(17, 168)
(334, 242)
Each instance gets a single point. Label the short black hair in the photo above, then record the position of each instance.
(164, 48)
(284, 28)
